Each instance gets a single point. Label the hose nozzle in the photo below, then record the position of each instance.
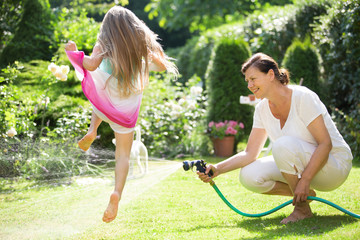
(199, 164)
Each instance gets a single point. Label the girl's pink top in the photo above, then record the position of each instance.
(121, 111)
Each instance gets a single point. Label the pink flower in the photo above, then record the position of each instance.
(230, 131)
(232, 123)
(211, 124)
(241, 125)
(219, 125)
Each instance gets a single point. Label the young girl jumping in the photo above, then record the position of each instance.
(113, 79)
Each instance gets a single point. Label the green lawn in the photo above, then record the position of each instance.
(168, 203)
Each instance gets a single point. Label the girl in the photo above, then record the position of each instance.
(308, 151)
(114, 77)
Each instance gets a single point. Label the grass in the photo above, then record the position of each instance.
(168, 203)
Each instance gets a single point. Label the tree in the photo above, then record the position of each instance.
(198, 14)
(10, 12)
(34, 34)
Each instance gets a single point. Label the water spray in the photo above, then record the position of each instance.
(201, 167)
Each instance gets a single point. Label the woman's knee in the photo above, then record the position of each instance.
(253, 181)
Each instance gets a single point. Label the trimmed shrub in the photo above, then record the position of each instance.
(34, 36)
(226, 83)
(304, 62)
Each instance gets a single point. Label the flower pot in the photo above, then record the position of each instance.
(223, 147)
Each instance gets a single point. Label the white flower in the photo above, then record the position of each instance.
(187, 127)
(65, 69)
(53, 67)
(181, 101)
(176, 107)
(11, 132)
(175, 114)
(195, 91)
(60, 75)
(192, 105)
(114, 141)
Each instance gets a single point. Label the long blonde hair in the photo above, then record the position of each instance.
(126, 41)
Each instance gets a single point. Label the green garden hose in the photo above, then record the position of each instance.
(201, 167)
(280, 206)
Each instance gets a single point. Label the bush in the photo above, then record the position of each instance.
(34, 38)
(74, 25)
(270, 31)
(172, 116)
(304, 62)
(307, 15)
(226, 83)
(338, 38)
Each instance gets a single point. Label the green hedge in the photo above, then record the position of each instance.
(304, 62)
(226, 83)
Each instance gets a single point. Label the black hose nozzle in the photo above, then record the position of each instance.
(199, 164)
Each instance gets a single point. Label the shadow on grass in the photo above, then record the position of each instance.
(272, 228)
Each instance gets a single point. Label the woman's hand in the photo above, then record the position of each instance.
(205, 177)
(70, 46)
(301, 191)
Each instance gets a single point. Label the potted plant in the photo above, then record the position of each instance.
(222, 134)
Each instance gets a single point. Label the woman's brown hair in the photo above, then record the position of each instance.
(264, 63)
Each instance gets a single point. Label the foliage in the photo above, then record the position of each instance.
(304, 64)
(74, 25)
(169, 116)
(307, 15)
(33, 38)
(270, 31)
(225, 83)
(226, 128)
(338, 38)
(36, 124)
(10, 12)
(200, 14)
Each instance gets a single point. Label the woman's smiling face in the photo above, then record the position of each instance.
(257, 81)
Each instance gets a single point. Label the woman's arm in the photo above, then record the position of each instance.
(92, 62)
(318, 159)
(256, 142)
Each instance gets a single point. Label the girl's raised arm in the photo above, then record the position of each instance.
(92, 62)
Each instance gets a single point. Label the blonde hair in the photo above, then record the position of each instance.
(126, 41)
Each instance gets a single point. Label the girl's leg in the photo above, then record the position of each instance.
(122, 157)
(90, 136)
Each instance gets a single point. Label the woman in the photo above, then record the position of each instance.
(308, 151)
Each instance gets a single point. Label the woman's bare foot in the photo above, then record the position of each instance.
(301, 211)
(111, 210)
(86, 141)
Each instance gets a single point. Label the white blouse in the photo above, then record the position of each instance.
(305, 107)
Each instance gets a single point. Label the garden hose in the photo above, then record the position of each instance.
(201, 167)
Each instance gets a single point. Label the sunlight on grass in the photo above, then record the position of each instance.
(56, 210)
